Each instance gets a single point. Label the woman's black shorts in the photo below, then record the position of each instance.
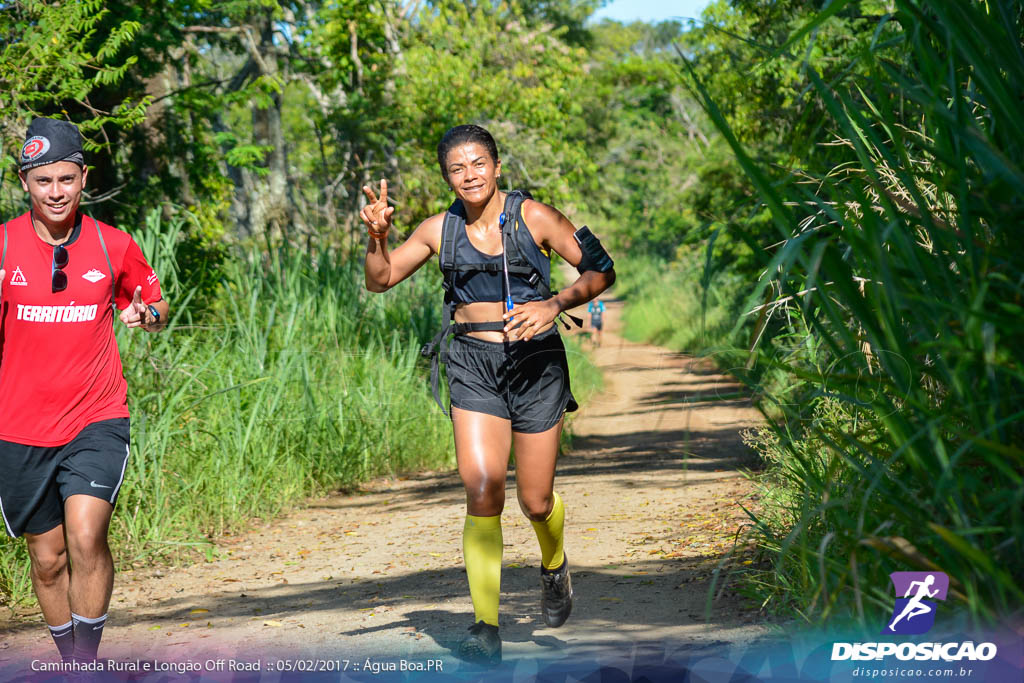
(526, 382)
(38, 479)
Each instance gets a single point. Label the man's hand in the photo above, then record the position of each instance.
(136, 313)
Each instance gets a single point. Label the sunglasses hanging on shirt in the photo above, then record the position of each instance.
(59, 279)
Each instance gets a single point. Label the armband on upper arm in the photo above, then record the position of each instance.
(594, 255)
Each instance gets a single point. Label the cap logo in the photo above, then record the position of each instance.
(34, 148)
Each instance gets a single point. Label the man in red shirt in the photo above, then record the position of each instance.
(63, 412)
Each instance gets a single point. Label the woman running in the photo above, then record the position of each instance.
(507, 373)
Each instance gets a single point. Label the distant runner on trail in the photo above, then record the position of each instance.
(507, 373)
(63, 417)
(596, 310)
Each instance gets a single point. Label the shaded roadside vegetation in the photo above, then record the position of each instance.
(862, 202)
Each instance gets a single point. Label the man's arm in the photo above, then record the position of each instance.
(156, 325)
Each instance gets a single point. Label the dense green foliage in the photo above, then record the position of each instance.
(54, 57)
(889, 343)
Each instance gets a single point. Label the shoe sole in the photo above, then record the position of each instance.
(474, 654)
(474, 650)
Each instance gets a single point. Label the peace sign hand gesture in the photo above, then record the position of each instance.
(377, 214)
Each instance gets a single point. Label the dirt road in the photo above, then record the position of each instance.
(651, 486)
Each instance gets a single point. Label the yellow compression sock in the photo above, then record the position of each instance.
(549, 533)
(482, 547)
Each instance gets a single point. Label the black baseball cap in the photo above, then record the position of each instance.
(49, 141)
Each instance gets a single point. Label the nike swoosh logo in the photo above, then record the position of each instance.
(97, 628)
(99, 486)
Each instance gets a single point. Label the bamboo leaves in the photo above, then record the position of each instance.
(903, 270)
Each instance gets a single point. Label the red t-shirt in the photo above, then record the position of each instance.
(60, 369)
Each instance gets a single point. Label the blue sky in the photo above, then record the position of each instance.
(650, 10)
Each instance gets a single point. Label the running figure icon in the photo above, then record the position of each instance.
(915, 607)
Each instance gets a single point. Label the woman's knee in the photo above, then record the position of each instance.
(485, 496)
(536, 506)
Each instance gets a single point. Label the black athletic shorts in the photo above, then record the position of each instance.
(38, 479)
(526, 382)
(596, 323)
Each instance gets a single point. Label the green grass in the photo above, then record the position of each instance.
(587, 378)
(301, 384)
(674, 304)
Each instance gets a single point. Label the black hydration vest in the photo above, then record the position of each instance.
(471, 275)
(526, 265)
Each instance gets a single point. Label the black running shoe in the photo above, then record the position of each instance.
(556, 595)
(482, 645)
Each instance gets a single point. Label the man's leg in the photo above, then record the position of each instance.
(87, 520)
(49, 573)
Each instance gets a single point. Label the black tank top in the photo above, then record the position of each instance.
(490, 286)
